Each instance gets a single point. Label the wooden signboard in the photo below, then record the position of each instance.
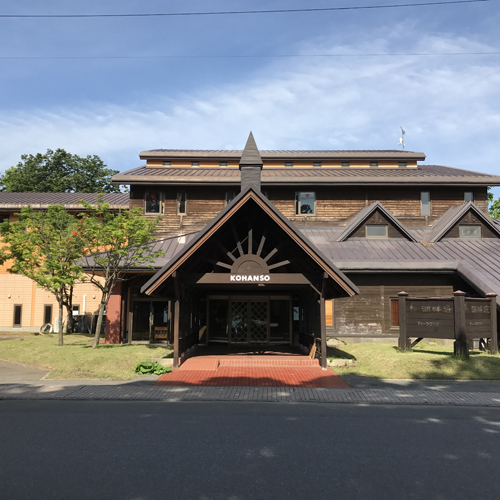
(430, 318)
(477, 318)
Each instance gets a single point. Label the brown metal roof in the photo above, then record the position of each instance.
(326, 154)
(70, 200)
(423, 174)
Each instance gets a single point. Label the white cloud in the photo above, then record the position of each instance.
(450, 108)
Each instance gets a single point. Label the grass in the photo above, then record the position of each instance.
(425, 361)
(76, 359)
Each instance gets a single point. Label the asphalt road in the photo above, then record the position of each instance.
(241, 451)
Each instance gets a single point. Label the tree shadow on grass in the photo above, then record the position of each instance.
(333, 352)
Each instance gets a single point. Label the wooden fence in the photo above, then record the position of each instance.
(459, 318)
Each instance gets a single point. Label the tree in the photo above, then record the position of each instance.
(116, 244)
(44, 246)
(58, 172)
(494, 208)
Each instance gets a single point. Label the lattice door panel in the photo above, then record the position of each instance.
(258, 322)
(239, 322)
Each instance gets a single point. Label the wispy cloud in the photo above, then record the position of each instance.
(449, 106)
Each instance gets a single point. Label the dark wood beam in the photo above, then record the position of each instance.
(270, 254)
(237, 239)
(279, 264)
(176, 333)
(250, 241)
(261, 244)
(225, 250)
(223, 264)
(323, 322)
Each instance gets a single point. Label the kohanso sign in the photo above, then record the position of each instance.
(253, 278)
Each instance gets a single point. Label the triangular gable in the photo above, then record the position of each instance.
(454, 215)
(365, 214)
(253, 202)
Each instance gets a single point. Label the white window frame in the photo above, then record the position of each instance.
(373, 237)
(298, 205)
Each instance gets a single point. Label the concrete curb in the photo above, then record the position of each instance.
(143, 392)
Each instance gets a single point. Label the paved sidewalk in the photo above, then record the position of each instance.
(142, 391)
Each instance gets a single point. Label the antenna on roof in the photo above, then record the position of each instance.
(402, 138)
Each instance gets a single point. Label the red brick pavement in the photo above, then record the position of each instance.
(252, 371)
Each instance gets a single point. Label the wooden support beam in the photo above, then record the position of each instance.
(237, 239)
(279, 264)
(261, 244)
(225, 250)
(403, 341)
(250, 241)
(223, 264)
(494, 331)
(176, 333)
(323, 322)
(415, 342)
(270, 254)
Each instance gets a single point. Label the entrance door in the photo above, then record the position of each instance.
(249, 322)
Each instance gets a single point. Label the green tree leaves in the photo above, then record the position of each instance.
(58, 172)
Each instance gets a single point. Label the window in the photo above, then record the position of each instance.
(468, 196)
(402, 164)
(376, 231)
(18, 312)
(223, 164)
(4, 217)
(75, 310)
(425, 200)
(345, 164)
(181, 203)
(305, 203)
(167, 163)
(317, 164)
(47, 314)
(394, 313)
(329, 312)
(288, 164)
(195, 163)
(374, 164)
(153, 202)
(469, 231)
(229, 196)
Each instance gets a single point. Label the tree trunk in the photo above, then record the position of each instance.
(99, 325)
(70, 322)
(61, 338)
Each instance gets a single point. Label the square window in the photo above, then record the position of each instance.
(305, 203)
(75, 310)
(288, 164)
(317, 164)
(223, 164)
(374, 164)
(470, 231)
(376, 231)
(181, 203)
(195, 163)
(345, 164)
(152, 202)
(468, 196)
(425, 200)
(167, 163)
(402, 164)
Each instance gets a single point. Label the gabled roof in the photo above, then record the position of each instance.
(224, 217)
(453, 215)
(69, 200)
(363, 215)
(422, 175)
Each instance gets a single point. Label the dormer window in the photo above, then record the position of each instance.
(374, 164)
(470, 231)
(167, 163)
(345, 164)
(376, 231)
(195, 163)
(468, 196)
(288, 164)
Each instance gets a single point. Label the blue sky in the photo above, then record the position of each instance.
(449, 105)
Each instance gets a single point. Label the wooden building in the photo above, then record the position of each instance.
(268, 247)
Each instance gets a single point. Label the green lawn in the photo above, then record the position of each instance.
(425, 361)
(76, 359)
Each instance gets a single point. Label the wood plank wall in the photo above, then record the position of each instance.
(334, 205)
(378, 218)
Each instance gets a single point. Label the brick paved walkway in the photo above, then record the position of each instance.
(146, 392)
(252, 371)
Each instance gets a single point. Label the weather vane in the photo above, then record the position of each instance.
(402, 138)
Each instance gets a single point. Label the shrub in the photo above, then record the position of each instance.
(151, 367)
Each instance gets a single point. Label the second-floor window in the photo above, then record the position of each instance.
(181, 203)
(152, 199)
(230, 196)
(425, 202)
(305, 203)
(468, 196)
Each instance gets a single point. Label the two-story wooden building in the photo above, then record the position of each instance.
(269, 247)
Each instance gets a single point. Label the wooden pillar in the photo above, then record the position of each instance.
(403, 339)
(323, 331)
(494, 330)
(460, 347)
(176, 333)
(114, 316)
